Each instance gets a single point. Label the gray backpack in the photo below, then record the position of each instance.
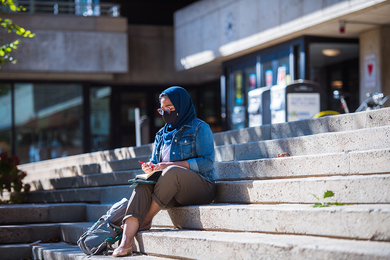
(105, 231)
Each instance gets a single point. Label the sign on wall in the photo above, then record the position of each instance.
(369, 71)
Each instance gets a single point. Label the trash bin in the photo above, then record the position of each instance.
(259, 106)
(297, 101)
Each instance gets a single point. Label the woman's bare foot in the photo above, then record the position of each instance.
(121, 251)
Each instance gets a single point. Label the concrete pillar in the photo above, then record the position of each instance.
(375, 62)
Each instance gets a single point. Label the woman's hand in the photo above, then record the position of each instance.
(148, 167)
(163, 165)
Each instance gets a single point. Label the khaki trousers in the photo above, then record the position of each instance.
(177, 186)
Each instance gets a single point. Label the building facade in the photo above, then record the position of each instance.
(78, 83)
(259, 45)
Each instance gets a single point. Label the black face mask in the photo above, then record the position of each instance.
(170, 118)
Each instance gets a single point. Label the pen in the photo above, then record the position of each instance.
(141, 162)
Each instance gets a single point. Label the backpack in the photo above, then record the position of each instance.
(105, 231)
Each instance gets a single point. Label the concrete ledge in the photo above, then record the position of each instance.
(231, 245)
(61, 251)
(346, 122)
(347, 189)
(28, 233)
(12, 252)
(344, 163)
(86, 169)
(370, 222)
(91, 195)
(356, 140)
(89, 158)
(42, 213)
(339, 123)
(95, 180)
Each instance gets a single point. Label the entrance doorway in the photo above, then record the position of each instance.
(335, 66)
(124, 104)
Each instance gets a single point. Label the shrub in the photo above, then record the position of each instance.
(11, 177)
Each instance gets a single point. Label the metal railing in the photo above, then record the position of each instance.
(60, 7)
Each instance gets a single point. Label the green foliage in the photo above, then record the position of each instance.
(11, 177)
(327, 194)
(7, 24)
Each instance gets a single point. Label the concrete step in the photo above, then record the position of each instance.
(347, 189)
(68, 166)
(339, 123)
(89, 158)
(79, 170)
(93, 180)
(240, 245)
(29, 233)
(232, 245)
(354, 140)
(42, 213)
(342, 163)
(364, 222)
(186, 244)
(109, 194)
(17, 251)
(345, 163)
(61, 251)
(368, 221)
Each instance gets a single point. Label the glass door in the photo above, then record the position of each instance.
(124, 117)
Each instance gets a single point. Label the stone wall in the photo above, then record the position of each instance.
(70, 44)
(151, 59)
(97, 49)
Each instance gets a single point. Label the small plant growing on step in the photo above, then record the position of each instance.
(327, 194)
(11, 179)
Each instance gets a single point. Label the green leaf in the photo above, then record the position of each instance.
(8, 49)
(2, 53)
(317, 205)
(328, 193)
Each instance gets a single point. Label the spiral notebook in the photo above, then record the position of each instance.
(147, 178)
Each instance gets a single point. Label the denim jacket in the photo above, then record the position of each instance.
(193, 142)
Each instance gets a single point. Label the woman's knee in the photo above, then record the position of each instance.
(171, 172)
(142, 187)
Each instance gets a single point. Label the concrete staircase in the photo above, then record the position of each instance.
(264, 206)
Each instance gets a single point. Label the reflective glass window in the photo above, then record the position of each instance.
(129, 102)
(48, 121)
(100, 119)
(5, 118)
(335, 66)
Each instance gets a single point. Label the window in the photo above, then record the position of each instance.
(100, 119)
(5, 118)
(48, 121)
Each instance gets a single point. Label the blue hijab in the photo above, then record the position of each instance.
(182, 102)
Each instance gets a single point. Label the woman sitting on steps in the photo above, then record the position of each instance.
(184, 151)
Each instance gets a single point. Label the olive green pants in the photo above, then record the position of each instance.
(177, 186)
